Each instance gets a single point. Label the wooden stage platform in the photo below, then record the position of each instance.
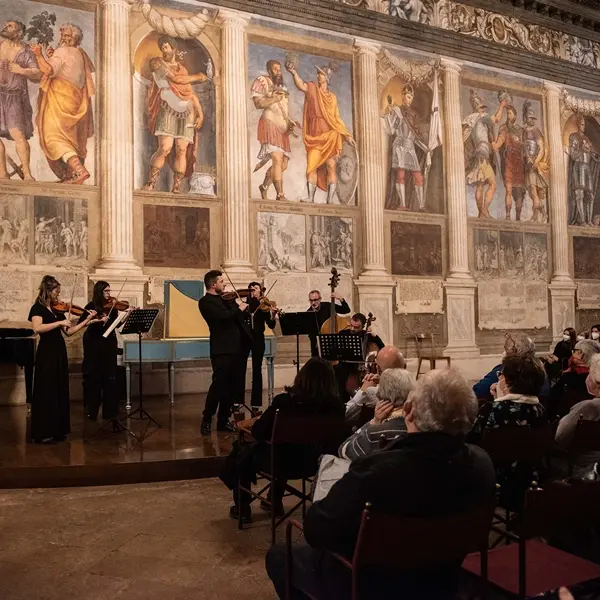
(174, 451)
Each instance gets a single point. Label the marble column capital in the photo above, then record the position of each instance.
(233, 18)
(451, 65)
(121, 3)
(552, 88)
(362, 46)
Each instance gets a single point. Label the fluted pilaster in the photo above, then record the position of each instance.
(235, 131)
(116, 137)
(456, 195)
(558, 186)
(370, 183)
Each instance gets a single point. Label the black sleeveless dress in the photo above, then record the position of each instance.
(50, 406)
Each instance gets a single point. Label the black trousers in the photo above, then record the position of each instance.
(228, 385)
(258, 352)
(100, 388)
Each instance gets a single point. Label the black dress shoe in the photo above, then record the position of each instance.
(227, 426)
(246, 514)
(205, 428)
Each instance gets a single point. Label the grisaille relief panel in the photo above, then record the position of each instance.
(412, 133)
(511, 268)
(506, 154)
(416, 249)
(330, 243)
(176, 236)
(281, 242)
(47, 93)
(175, 123)
(61, 231)
(294, 155)
(586, 251)
(14, 229)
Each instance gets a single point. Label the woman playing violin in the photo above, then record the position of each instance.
(100, 355)
(50, 406)
(258, 319)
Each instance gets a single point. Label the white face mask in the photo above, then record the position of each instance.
(595, 335)
(566, 338)
(580, 337)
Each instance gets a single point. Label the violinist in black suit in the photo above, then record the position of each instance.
(258, 319)
(322, 312)
(230, 343)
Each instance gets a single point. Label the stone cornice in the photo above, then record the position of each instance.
(386, 29)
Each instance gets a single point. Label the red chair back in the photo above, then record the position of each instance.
(414, 543)
(560, 506)
(529, 445)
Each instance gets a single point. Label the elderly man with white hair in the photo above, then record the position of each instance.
(388, 423)
(389, 357)
(428, 472)
(589, 410)
(515, 344)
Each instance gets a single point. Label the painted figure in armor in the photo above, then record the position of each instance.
(510, 145)
(584, 169)
(270, 95)
(401, 124)
(478, 135)
(536, 165)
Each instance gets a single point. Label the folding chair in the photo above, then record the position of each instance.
(586, 439)
(405, 543)
(531, 567)
(506, 445)
(313, 432)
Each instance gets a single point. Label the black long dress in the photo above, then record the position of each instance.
(100, 367)
(50, 406)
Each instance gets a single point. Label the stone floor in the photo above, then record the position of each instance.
(167, 541)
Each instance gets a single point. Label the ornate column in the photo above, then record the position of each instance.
(116, 141)
(375, 286)
(562, 287)
(236, 255)
(459, 285)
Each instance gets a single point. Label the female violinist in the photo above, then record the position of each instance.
(100, 355)
(50, 406)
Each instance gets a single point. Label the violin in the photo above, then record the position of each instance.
(228, 296)
(65, 307)
(118, 304)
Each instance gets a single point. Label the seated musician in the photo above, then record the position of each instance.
(323, 312)
(347, 373)
(389, 357)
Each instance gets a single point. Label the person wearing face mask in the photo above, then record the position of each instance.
(515, 344)
(515, 404)
(595, 333)
(558, 361)
(589, 410)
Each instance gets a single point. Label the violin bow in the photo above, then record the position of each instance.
(72, 296)
(111, 308)
(231, 283)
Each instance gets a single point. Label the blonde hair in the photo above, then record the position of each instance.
(47, 286)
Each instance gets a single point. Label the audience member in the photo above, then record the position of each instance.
(515, 344)
(516, 405)
(590, 411)
(558, 361)
(314, 392)
(394, 387)
(428, 472)
(571, 387)
(595, 333)
(389, 357)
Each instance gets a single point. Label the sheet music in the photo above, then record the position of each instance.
(122, 316)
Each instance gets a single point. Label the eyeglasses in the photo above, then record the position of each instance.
(499, 374)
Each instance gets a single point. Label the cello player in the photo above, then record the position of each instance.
(323, 312)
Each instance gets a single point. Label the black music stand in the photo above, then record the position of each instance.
(343, 347)
(299, 323)
(140, 321)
